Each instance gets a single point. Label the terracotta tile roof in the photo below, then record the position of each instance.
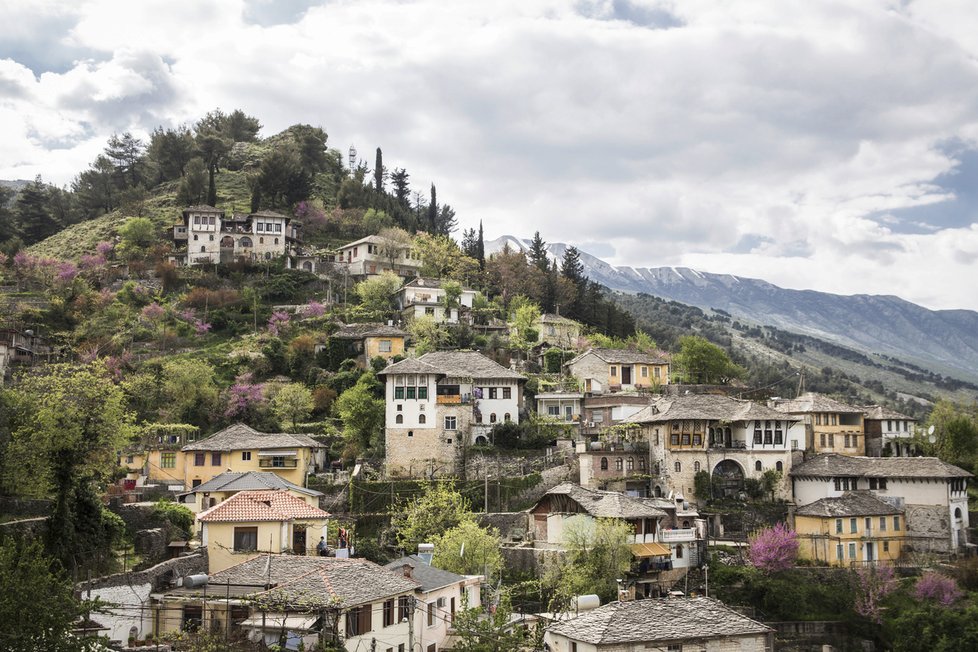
(830, 465)
(270, 505)
(658, 621)
(241, 437)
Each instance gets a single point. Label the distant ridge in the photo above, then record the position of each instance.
(943, 340)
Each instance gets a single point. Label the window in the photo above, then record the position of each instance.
(614, 372)
(641, 464)
(399, 418)
(388, 612)
(768, 437)
(838, 483)
(848, 444)
(685, 439)
(384, 346)
(852, 526)
(429, 311)
(697, 440)
(886, 546)
(196, 219)
(757, 465)
(818, 419)
(757, 435)
(821, 440)
(656, 372)
(507, 392)
(410, 433)
(838, 526)
(882, 484)
(412, 392)
(507, 418)
(831, 440)
(839, 552)
(674, 439)
(200, 459)
(672, 648)
(423, 392)
(398, 393)
(195, 236)
(679, 467)
(852, 551)
(779, 467)
(402, 608)
(431, 614)
(835, 419)
(261, 226)
(630, 464)
(358, 620)
(553, 410)
(679, 552)
(882, 524)
(778, 434)
(245, 456)
(493, 392)
(215, 459)
(168, 460)
(492, 417)
(422, 419)
(604, 463)
(129, 459)
(896, 523)
(193, 618)
(245, 539)
(451, 423)
(696, 467)
(618, 464)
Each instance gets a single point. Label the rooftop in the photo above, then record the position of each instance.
(880, 412)
(706, 406)
(267, 505)
(813, 402)
(607, 504)
(622, 356)
(368, 329)
(430, 577)
(832, 464)
(242, 437)
(465, 364)
(851, 503)
(251, 480)
(647, 621)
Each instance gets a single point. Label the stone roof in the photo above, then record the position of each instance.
(241, 437)
(851, 503)
(658, 621)
(250, 480)
(267, 505)
(813, 402)
(608, 504)
(429, 577)
(830, 465)
(202, 208)
(308, 583)
(369, 329)
(881, 412)
(269, 214)
(706, 406)
(464, 364)
(429, 283)
(551, 318)
(622, 356)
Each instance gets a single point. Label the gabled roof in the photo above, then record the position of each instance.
(851, 503)
(241, 437)
(881, 412)
(269, 214)
(706, 406)
(551, 318)
(249, 481)
(621, 356)
(202, 208)
(830, 465)
(307, 583)
(464, 364)
(369, 329)
(267, 505)
(429, 577)
(429, 283)
(607, 504)
(813, 402)
(647, 621)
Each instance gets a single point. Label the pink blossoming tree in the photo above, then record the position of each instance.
(873, 583)
(774, 549)
(934, 587)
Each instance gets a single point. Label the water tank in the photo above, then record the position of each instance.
(596, 445)
(585, 602)
(193, 581)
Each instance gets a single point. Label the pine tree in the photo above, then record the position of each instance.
(34, 221)
(571, 266)
(402, 189)
(469, 244)
(538, 253)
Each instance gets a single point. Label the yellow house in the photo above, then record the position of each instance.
(852, 529)
(611, 370)
(239, 448)
(253, 522)
(831, 426)
(157, 456)
(221, 487)
(373, 340)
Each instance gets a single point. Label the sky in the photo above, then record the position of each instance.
(826, 145)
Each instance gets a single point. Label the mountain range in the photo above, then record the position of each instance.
(945, 341)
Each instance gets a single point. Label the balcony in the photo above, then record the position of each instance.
(448, 399)
(278, 463)
(679, 535)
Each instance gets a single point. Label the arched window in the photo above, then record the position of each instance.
(779, 467)
(195, 237)
(399, 418)
(604, 463)
(422, 418)
(696, 467)
(261, 240)
(679, 467)
(641, 463)
(507, 418)
(757, 465)
(630, 464)
(957, 512)
(679, 552)
(492, 417)
(276, 240)
(203, 248)
(481, 441)
(245, 242)
(618, 464)
(268, 255)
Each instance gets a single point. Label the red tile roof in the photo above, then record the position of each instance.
(274, 505)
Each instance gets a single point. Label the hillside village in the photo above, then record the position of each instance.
(322, 423)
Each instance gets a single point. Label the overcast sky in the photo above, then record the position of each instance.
(822, 145)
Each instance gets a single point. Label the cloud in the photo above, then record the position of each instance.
(820, 145)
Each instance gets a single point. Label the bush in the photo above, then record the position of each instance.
(174, 514)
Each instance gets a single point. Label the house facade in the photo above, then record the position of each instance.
(374, 255)
(23, 348)
(615, 370)
(239, 448)
(440, 402)
(272, 521)
(221, 487)
(208, 236)
(372, 340)
(932, 494)
(563, 407)
(422, 297)
(831, 426)
(850, 530)
(888, 433)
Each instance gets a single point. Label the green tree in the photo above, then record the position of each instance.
(377, 293)
(34, 220)
(126, 154)
(478, 631)
(468, 549)
(701, 361)
(138, 234)
(193, 185)
(427, 335)
(293, 404)
(362, 414)
(442, 258)
(171, 150)
(428, 516)
(95, 190)
(281, 181)
(538, 253)
(37, 604)
(599, 548)
(190, 392)
(525, 317)
(955, 433)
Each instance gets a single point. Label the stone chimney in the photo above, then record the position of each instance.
(408, 571)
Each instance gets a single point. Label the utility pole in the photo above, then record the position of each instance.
(485, 499)
(410, 610)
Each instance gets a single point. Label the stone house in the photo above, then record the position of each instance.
(372, 340)
(271, 521)
(888, 433)
(615, 370)
(932, 493)
(21, 348)
(441, 402)
(857, 527)
(208, 236)
(701, 624)
(425, 297)
(831, 426)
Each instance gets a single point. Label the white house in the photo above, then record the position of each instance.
(614, 370)
(888, 432)
(211, 237)
(374, 255)
(422, 297)
(933, 493)
(442, 401)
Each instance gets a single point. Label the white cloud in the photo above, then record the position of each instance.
(675, 132)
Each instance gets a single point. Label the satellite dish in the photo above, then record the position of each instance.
(930, 434)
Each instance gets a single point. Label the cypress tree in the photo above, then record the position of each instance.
(379, 172)
(481, 249)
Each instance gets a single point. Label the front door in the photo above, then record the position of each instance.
(869, 552)
(626, 375)
(299, 540)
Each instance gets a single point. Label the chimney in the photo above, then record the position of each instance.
(408, 571)
(425, 552)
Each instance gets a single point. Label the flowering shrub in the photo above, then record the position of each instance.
(774, 549)
(243, 395)
(872, 585)
(153, 312)
(315, 309)
(938, 588)
(277, 322)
